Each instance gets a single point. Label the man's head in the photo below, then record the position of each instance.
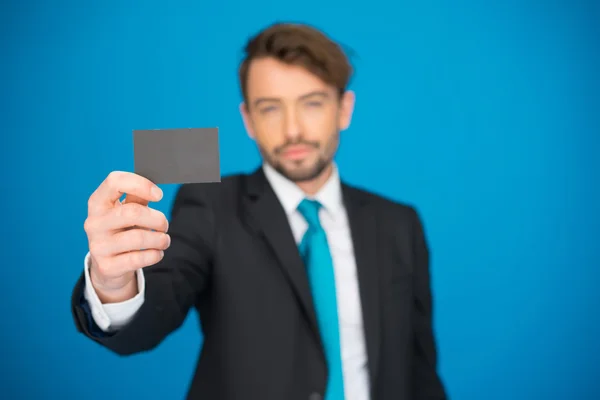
(294, 85)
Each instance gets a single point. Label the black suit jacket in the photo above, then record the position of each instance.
(234, 258)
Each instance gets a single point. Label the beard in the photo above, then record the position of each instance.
(303, 170)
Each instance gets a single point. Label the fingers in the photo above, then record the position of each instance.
(118, 183)
(129, 241)
(130, 198)
(124, 237)
(117, 266)
(126, 216)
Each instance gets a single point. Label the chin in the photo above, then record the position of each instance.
(301, 173)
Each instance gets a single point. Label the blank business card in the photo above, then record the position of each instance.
(187, 155)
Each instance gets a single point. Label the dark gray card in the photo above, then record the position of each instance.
(188, 155)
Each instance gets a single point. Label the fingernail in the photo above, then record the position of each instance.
(156, 192)
(168, 240)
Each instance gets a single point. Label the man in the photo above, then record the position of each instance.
(307, 288)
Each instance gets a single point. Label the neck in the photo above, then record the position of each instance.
(314, 185)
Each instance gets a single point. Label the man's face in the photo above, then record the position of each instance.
(294, 117)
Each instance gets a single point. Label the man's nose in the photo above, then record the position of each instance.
(292, 125)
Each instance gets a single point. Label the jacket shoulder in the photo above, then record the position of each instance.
(228, 183)
(399, 218)
(382, 202)
(211, 194)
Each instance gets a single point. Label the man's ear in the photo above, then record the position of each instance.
(247, 120)
(346, 109)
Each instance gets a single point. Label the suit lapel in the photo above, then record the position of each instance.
(268, 217)
(363, 227)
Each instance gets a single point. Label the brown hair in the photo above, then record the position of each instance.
(302, 45)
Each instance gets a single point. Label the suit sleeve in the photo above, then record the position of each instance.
(427, 382)
(172, 286)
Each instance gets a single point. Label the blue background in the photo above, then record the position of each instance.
(485, 115)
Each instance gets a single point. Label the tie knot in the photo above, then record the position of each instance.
(310, 211)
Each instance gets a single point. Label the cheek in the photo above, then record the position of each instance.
(319, 123)
(268, 133)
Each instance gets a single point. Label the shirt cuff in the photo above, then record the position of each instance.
(112, 316)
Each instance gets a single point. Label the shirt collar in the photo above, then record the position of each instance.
(290, 195)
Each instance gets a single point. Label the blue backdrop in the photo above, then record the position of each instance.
(485, 115)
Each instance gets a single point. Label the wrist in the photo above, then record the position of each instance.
(115, 292)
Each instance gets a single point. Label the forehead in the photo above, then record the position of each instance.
(268, 77)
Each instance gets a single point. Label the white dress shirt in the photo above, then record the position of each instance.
(335, 223)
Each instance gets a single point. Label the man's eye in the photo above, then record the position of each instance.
(267, 109)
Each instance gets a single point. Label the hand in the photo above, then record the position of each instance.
(123, 237)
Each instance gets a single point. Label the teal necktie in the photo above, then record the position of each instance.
(317, 258)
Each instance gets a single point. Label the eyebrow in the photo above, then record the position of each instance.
(315, 93)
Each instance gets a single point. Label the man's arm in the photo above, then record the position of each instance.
(427, 383)
(170, 287)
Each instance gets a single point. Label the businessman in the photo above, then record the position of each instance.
(307, 288)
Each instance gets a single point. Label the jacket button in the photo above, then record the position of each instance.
(315, 396)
